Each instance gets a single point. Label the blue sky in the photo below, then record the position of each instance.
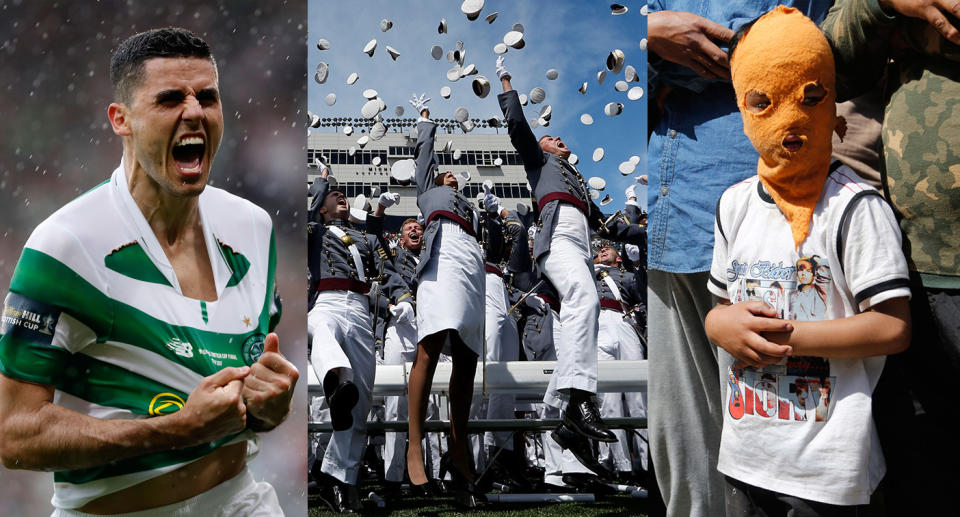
(572, 36)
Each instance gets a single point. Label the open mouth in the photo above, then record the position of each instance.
(188, 155)
(792, 143)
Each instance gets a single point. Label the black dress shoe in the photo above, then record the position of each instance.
(583, 417)
(341, 402)
(335, 495)
(568, 439)
(505, 468)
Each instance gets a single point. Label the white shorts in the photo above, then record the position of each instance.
(238, 496)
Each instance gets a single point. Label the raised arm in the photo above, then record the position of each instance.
(521, 136)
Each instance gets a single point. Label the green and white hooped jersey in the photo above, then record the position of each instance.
(95, 310)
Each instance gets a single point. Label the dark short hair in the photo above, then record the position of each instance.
(438, 179)
(127, 62)
(410, 220)
(738, 35)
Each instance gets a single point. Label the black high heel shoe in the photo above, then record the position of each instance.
(429, 489)
(465, 492)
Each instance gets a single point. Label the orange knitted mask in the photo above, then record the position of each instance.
(783, 75)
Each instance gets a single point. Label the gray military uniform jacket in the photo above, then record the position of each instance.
(436, 201)
(626, 282)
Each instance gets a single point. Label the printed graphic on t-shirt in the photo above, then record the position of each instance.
(799, 388)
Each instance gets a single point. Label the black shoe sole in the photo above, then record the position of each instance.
(589, 462)
(569, 422)
(341, 406)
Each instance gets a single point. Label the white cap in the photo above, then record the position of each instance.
(447, 146)
(514, 39)
(644, 10)
(375, 161)
(470, 69)
(597, 182)
(453, 75)
(601, 75)
(370, 47)
(546, 112)
(615, 61)
(352, 78)
(626, 168)
(543, 122)
(492, 16)
(612, 109)
(534, 123)
(331, 99)
(606, 200)
(369, 94)
(617, 9)
(573, 159)
(385, 25)
(437, 52)
(552, 74)
(348, 130)
(462, 178)
(498, 161)
(445, 92)
(598, 154)
(621, 86)
(634, 159)
(537, 95)
(594, 194)
(370, 109)
(586, 119)
(398, 111)
(461, 114)
(643, 44)
(442, 29)
(471, 8)
(630, 74)
(467, 126)
(322, 70)
(393, 52)
(500, 48)
(323, 44)
(362, 141)
(523, 99)
(352, 150)
(481, 86)
(313, 120)
(457, 154)
(450, 57)
(583, 88)
(357, 215)
(635, 93)
(378, 130)
(518, 27)
(403, 171)
(459, 55)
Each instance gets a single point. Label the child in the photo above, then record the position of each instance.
(798, 435)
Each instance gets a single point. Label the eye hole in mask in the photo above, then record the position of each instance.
(813, 93)
(757, 102)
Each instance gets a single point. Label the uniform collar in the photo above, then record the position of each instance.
(151, 245)
(342, 223)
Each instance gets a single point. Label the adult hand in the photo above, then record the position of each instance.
(502, 69)
(388, 199)
(491, 203)
(633, 252)
(933, 11)
(737, 329)
(324, 170)
(403, 312)
(420, 103)
(269, 387)
(215, 408)
(689, 40)
(536, 303)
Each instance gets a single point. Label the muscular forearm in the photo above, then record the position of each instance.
(883, 330)
(56, 438)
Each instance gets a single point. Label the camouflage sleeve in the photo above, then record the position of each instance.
(859, 32)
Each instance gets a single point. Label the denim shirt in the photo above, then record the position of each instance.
(698, 148)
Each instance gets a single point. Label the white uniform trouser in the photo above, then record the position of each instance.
(503, 344)
(569, 267)
(239, 496)
(400, 346)
(618, 340)
(557, 460)
(341, 325)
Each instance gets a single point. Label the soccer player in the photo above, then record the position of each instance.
(136, 358)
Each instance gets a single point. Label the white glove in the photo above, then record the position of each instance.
(501, 69)
(630, 192)
(403, 312)
(531, 232)
(321, 167)
(491, 203)
(633, 252)
(419, 103)
(536, 303)
(388, 199)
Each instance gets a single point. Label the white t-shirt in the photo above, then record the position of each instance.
(804, 427)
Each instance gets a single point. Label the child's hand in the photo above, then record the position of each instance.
(739, 329)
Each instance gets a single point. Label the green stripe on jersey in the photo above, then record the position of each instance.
(108, 385)
(237, 262)
(130, 260)
(203, 310)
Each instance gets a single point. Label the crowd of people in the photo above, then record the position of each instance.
(469, 283)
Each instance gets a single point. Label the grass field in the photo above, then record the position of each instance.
(410, 506)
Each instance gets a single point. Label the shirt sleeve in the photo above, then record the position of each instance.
(870, 250)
